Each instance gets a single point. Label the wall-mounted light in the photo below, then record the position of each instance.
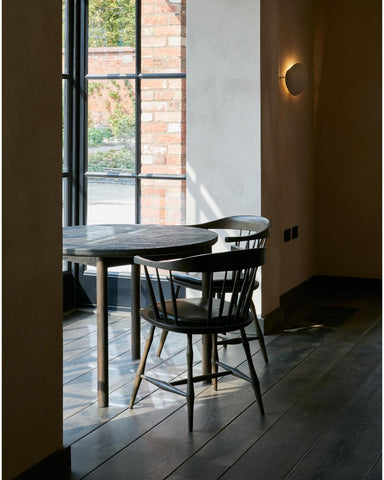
(296, 78)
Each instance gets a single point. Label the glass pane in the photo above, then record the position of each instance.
(162, 201)
(65, 202)
(163, 36)
(111, 126)
(163, 126)
(64, 35)
(64, 215)
(110, 201)
(111, 37)
(64, 127)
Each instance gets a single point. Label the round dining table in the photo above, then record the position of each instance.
(104, 246)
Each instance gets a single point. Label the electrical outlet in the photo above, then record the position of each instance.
(287, 235)
(295, 232)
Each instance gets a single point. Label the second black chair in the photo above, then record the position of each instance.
(242, 231)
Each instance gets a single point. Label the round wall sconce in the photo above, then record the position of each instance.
(296, 78)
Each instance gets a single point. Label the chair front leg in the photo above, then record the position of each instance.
(252, 371)
(190, 388)
(141, 367)
(259, 333)
(163, 337)
(215, 358)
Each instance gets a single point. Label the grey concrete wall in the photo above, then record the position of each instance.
(31, 234)
(223, 108)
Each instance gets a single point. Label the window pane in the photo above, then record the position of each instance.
(111, 37)
(64, 215)
(163, 36)
(163, 126)
(111, 126)
(64, 35)
(64, 127)
(65, 201)
(111, 201)
(162, 201)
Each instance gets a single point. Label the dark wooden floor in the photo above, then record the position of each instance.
(321, 392)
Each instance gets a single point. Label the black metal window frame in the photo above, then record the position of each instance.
(76, 79)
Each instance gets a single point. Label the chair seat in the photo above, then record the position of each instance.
(194, 282)
(193, 315)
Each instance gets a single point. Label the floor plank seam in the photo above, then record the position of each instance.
(376, 464)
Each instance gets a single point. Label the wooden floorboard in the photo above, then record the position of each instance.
(241, 435)
(321, 393)
(278, 451)
(353, 434)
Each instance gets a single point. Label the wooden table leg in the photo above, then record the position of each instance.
(135, 307)
(102, 334)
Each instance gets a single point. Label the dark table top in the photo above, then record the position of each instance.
(126, 241)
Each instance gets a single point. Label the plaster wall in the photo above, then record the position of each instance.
(288, 165)
(296, 153)
(31, 234)
(321, 150)
(223, 109)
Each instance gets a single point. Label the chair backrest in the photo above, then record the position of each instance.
(249, 231)
(237, 269)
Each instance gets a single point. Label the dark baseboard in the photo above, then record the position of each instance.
(269, 322)
(348, 284)
(315, 284)
(56, 466)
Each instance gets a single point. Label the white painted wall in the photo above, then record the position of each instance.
(223, 108)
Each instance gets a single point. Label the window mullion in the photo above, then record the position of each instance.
(138, 113)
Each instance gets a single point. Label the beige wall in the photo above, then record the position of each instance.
(348, 146)
(321, 150)
(32, 279)
(288, 164)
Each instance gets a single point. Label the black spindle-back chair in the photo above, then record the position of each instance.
(206, 314)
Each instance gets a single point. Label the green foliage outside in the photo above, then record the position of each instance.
(96, 136)
(120, 104)
(111, 23)
(121, 159)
